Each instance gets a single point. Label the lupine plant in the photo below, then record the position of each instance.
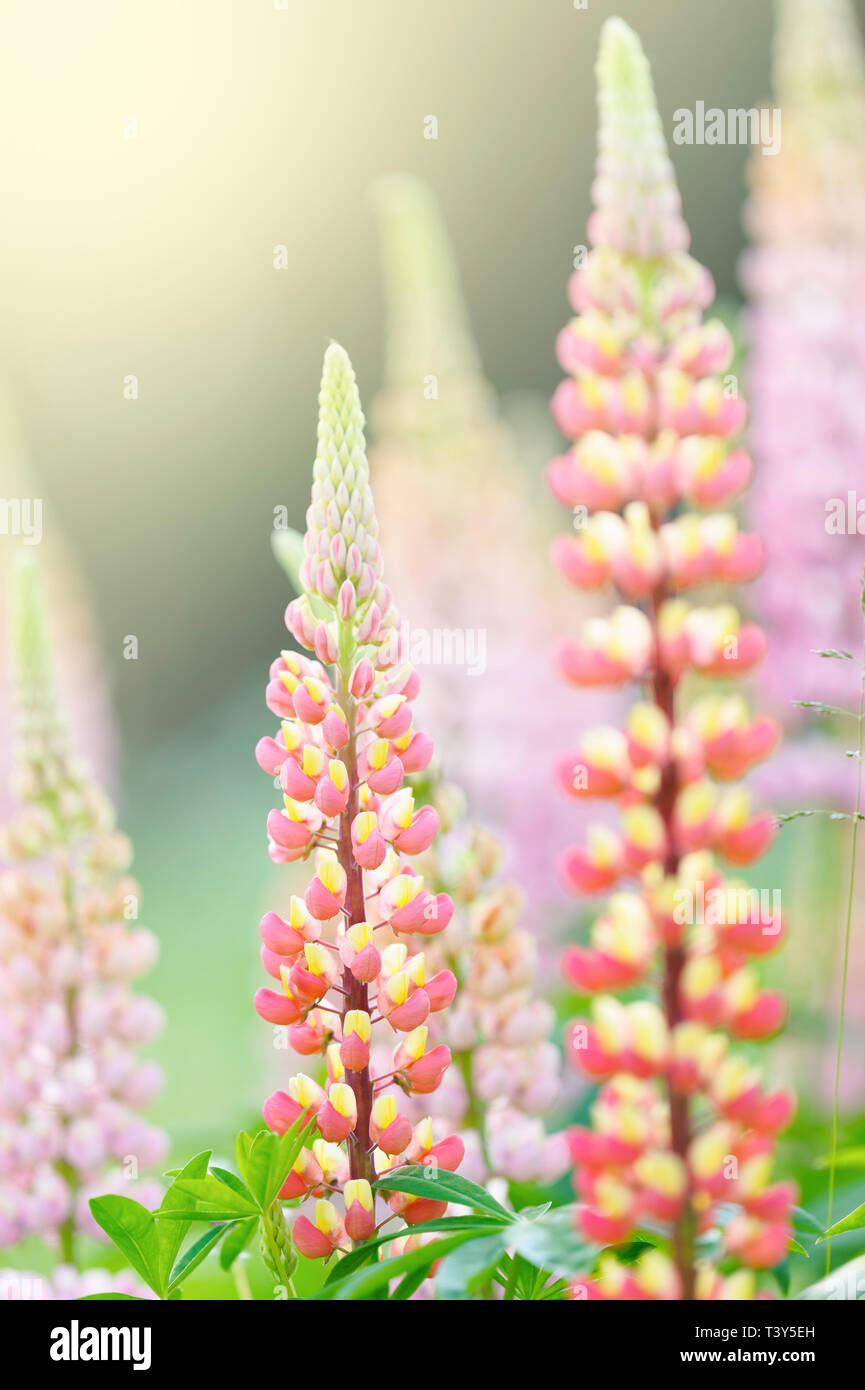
(71, 1084)
(345, 744)
(683, 1129)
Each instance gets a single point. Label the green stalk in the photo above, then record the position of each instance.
(860, 746)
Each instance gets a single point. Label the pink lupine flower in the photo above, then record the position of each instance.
(70, 1082)
(805, 279)
(652, 431)
(340, 758)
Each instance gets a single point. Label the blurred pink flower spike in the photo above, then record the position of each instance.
(71, 1084)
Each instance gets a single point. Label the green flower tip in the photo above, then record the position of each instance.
(622, 69)
(341, 523)
(340, 417)
(428, 329)
(30, 642)
(819, 63)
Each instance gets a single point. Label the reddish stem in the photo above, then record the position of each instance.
(663, 691)
(356, 993)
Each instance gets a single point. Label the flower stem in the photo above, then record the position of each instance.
(65, 1169)
(663, 695)
(860, 746)
(356, 992)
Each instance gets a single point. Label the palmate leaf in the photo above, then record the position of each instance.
(266, 1159)
(172, 1233)
(441, 1186)
(133, 1230)
(212, 1201)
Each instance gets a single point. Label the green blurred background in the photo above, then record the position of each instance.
(257, 128)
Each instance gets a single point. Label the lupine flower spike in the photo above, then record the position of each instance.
(86, 695)
(681, 1123)
(70, 1082)
(341, 958)
(804, 274)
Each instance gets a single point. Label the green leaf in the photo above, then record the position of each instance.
(266, 1159)
(198, 1251)
(553, 1242)
(233, 1181)
(804, 1221)
(409, 1285)
(469, 1267)
(102, 1297)
(287, 547)
(444, 1225)
(781, 1273)
(845, 1158)
(853, 1221)
(441, 1186)
(236, 1241)
(172, 1233)
(212, 1201)
(835, 654)
(793, 1244)
(368, 1281)
(133, 1230)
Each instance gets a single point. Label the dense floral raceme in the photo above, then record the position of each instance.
(71, 1084)
(683, 1129)
(86, 696)
(345, 956)
(505, 1074)
(805, 278)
